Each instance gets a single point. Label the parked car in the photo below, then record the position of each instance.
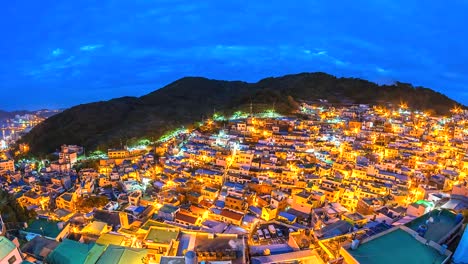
(255, 237)
(272, 229)
(279, 232)
(260, 235)
(111, 206)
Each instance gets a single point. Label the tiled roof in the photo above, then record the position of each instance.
(186, 218)
(231, 215)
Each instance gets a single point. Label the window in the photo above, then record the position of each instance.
(12, 260)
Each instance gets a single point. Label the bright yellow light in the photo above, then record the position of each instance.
(205, 215)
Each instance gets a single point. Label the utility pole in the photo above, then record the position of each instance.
(2, 226)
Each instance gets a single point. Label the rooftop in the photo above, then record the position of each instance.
(6, 246)
(444, 221)
(44, 227)
(69, 251)
(172, 260)
(355, 216)
(231, 215)
(118, 254)
(167, 208)
(404, 249)
(151, 223)
(221, 244)
(110, 239)
(186, 218)
(39, 247)
(307, 256)
(162, 235)
(95, 228)
(67, 196)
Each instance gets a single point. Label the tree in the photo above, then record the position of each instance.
(84, 164)
(11, 210)
(87, 204)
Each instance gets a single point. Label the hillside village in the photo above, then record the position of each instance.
(330, 184)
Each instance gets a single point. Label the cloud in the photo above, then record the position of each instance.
(57, 52)
(339, 62)
(316, 53)
(91, 47)
(358, 43)
(381, 70)
(324, 54)
(56, 67)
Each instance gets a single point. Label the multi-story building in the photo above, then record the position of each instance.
(235, 203)
(7, 166)
(117, 153)
(66, 201)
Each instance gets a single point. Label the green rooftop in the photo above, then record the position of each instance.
(69, 252)
(94, 254)
(167, 208)
(6, 246)
(425, 203)
(444, 222)
(151, 223)
(110, 239)
(117, 255)
(44, 227)
(162, 235)
(397, 246)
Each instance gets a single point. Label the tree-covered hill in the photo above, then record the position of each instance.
(187, 100)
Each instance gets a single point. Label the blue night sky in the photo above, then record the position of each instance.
(62, 53)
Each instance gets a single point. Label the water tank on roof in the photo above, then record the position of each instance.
(354, 244)
(191, 257)
(443, 249)
(458, 218)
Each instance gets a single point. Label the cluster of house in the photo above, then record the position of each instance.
(330, 185)
(11, 129)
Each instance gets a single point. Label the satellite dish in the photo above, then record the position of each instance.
(232, 244)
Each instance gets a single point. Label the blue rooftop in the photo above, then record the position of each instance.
(288, 216)
(220, 204)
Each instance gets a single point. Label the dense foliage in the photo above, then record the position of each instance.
(116, 122)
(11, 210)
(89, 203)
